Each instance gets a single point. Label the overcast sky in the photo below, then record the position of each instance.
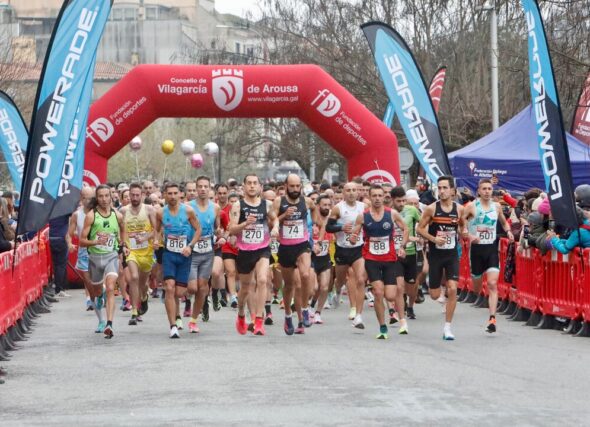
(237, 7)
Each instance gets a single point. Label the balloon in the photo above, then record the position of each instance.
(167, 147)
(211, 149)
(196, 160)
(135, 144)
(187, 147)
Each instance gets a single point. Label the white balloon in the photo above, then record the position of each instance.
(211, 149)
(135, 143)
(187, 147)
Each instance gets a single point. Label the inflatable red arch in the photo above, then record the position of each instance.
(306, 92)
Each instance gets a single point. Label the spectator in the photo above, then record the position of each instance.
(58, 231)
(581, 237)
(6, 232)
(539, 226)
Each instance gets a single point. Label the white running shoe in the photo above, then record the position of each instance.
(352, 313)
(447, 334)
(62, 294)
(336, 299)
(358, 322)
(403, 328)
(174, 332)
(327, 305)
(318, 319)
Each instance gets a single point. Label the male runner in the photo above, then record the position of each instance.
(411, 217)
(349, 244)
(203, 253)
(292, 211)
(439, 224)
(101, 235)
(75, 229)
(181, 232)
(251, 221)
(229, 251)
(190, 192)
(381, 256)
(321, 256)
(139, 237)
(482, 216)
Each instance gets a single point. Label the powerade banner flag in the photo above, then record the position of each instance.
(581, 123)
(13, 138)
(407, 92)
(436, 87)
(553, 150)
(63, 87)
(73, 167)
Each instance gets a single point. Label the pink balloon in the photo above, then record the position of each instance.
(196, 160)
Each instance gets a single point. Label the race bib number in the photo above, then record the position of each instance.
(107, 241)
(274, 246)
(450, 239)
(397, 240)
(486, 235)
(254, 235)
(324, 246)
(203, 246)
(293, 229)
(134, 244)
(175, 243)
(379, 245)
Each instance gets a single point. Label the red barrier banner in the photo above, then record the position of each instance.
(585, 291)
(503, 287)
(6, 283)
(528, 272)
(560, 284)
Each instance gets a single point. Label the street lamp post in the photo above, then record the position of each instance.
(491, 8)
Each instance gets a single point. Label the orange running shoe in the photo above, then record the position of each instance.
(241, 325)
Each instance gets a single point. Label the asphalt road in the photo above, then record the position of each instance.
(333, 375)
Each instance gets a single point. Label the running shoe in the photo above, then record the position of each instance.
(258, 327)
(123, 304)
(420, 298)
(108, 332)
(336, 299)
(179, 324)
(318, 319)
(410, 313)
(216, 303)
(139, 318)
(223, 302)
(268, 319)
(100, 301)
(193, 328)
(128, 306)
(89, 305)
(275, 299)
(448, 335)
(327, 305)
(352, 313)
(205, 312)
(491, 328)
(403, 329)
(382, 336)
(241, 325)
(300, 329)
(187, 312)
(306, 322)
(174, 332)
(251, 327)
(155, 293)
(100, 328)
(62, 294)
(288, 327)
(369, 297)
(358, 322)
(393, 318)
(143, 307)
(133, 321)
(234, 301)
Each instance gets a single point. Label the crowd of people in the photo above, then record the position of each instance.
(247, 246)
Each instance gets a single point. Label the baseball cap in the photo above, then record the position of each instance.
(122, 187)
(412, 194)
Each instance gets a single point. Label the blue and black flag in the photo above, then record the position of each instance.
(62, 90)
(553, 149)
(13, 138)
(409, 96)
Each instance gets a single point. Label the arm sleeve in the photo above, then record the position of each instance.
(510, 200)
(332, 226)
(565, 246)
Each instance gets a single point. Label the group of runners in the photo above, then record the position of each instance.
(244, 245)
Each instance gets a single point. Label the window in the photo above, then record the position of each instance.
(151, 13)
(130, 14)
(250, 52)
(238, 47)
(117, 14)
